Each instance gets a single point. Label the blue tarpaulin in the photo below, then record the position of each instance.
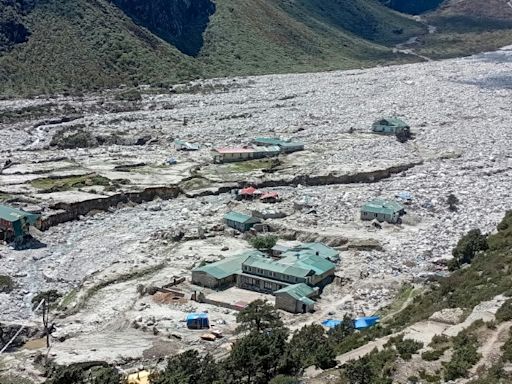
(359, 323)
(365, 322)
(197, 321)
(331, 323)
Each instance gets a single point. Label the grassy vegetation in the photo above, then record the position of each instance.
(47, 185)
(447, 45)
(10, 116)
(486, 277)
(406, 292)
(250, 165)
(195, 183)
(464, 34)
(68, 299)
(88, 45)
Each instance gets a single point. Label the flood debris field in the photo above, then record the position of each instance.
(459, 112)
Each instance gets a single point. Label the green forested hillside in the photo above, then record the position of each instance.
(91, 44)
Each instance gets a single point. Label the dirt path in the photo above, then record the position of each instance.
(491, 349)
(407, 301)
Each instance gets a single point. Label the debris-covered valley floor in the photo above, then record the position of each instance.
(164, 217)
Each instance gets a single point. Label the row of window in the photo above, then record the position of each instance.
(275, 275)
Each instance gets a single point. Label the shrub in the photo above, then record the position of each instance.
(505, 311)
(452, 201)
(76, 139)
(464, 356)
(507, 348)
(263, 242)
(434, 354)
(52, 297)
(129, 95)
(6, 284)
(467, 248)
(405, 347)
(281, 379)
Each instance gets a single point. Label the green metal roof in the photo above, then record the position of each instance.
(13, 214)
(393, 121)
(297, 291)
(308, 260)
(227, 267)
(322, 249)
(382, 206)
(277, 141)
(291, 269)
(240, 218)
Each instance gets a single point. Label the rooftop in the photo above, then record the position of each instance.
(393, 121)
(240, 217)
(322, 249)
(297, 291)
(227, 267)
(307, 260)
(276, 141)
(382, 206)
(13, 214)
(290, 269)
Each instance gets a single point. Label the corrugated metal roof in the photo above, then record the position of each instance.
(194, 316)
(277, 141)
(382, 206)
(297, 291)
(268, 140)
(308, 260)
(277, 266)
(240, 218)
(234, 150)
(227, 267)
(322, 249)
(13, 214)
(393, 121)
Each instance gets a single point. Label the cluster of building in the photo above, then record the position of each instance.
(294, 276)
(251, 193)
(259, 148)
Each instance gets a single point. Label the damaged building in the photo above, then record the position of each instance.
(15, 224)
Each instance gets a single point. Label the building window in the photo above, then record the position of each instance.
(267, 285)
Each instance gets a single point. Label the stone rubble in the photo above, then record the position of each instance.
(459, 111)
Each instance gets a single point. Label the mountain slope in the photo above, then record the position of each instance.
(82, 45)
(93, 44)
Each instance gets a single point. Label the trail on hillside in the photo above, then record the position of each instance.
(491, 349)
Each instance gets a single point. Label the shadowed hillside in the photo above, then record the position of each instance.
(59, 45)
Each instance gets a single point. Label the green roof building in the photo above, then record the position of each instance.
(221, 273)
(296, 298)
(390, 126)
(240, 221)
(255, 271)
(268, 275)
(285, 146)
(15, 223)
(319, 249)
(382, 210)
